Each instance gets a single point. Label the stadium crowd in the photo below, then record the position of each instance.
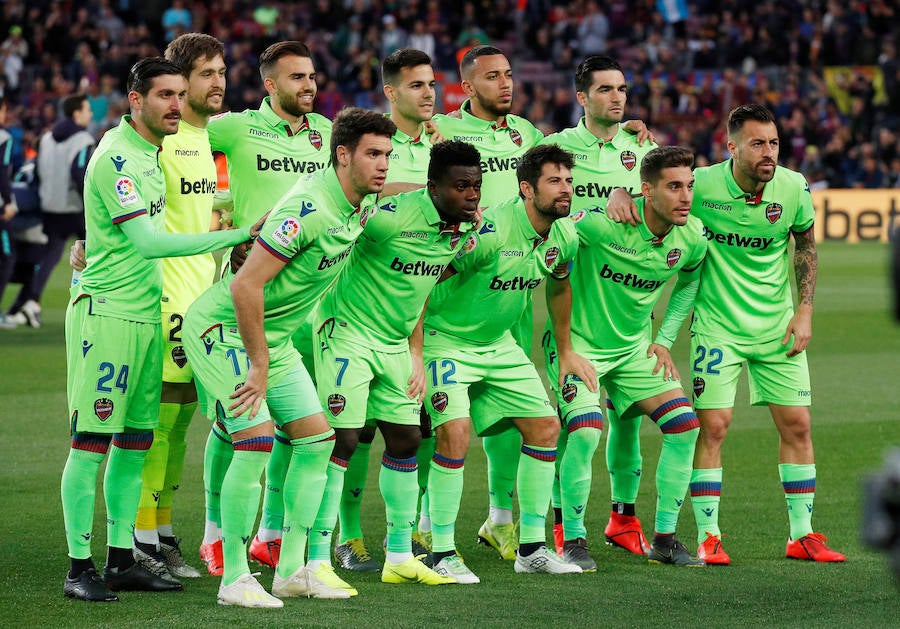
(685, 72)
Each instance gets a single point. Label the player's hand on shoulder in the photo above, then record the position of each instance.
(251, 394)
(456, 113)
(77, 259)
(641, 130)
(434, 136)
(664, 362)
(621, 208)
(572, 363)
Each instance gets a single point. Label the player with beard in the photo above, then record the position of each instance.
(744, 313)
(607, 155)
(113, 334)
(190, 174)
(484, 120)
(267, 150)
(478, 375)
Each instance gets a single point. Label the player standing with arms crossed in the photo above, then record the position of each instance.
(267, 150)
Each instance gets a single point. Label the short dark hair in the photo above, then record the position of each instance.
(72, 103)
(185, 50)
(142, 73)
(399, 59)
(665, 157)
(351, 123)
(532, 162)
(595, 63)
(468, 60)
(752, 111)
(446, 155)
(276, 51)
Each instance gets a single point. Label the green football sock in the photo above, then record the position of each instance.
(502, 452)
(240, 501)
(175, 464)
(424, 454)
(326, 518)
(680, 427)
(623, 456)
(799, 482)
(216, 459)
(560, 453)
(79, 490)
(351, 496)
(706, 492)
(304, 485)
(400, 490)
(154, 473)
(535, 481)
(584, 430)
(276, 469)
(122, 485)
(445, 493)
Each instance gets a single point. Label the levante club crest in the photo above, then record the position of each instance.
(315, 138)
(550, 256)
(773, 212)
(629, 160)
(103, 408)
(516, 137)
(673, 257)
(439, 401)
(336, 403)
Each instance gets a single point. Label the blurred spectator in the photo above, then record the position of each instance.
(176, 20)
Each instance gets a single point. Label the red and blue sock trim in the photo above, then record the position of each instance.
(399, 465)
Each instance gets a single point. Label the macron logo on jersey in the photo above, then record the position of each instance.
(204, 186)
(287, 165)
(736, 240)
(416, 268)
(630, 279)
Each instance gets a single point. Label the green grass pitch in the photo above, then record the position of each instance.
(855, 363)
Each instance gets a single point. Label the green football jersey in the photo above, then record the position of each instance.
(409, 158)
(497, 270)
(190, 184)
(600, 166)
(745, 291)
(402, 252)
(618, 276)
(312, 230)
(264, 157)
(500, 146)
(123, 180)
